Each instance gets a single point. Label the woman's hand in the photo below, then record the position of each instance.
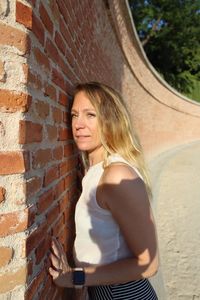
(60, 270)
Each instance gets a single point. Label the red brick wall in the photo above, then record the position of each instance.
(46, 47)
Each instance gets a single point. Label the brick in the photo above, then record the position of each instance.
(46, 286)
(63, 168)
(30, 267)
(60, 43)
(52, 214)
(33, 287)
(2, 194)
(59, 188)
(35, 81)
(58, 79)
(52, 293)
(64, 134)
(63, 99)
(14, 37)
(6, 254)
(11, 223)
(63, 203)
(54, 9)
(42, 59)
(42, 109)
(51, 133)
(68, 150)
(65, 31)
(11, 101)
(46, 19)
(50, 175)
(24, 14)
(57, 226)
(2, 72)
(45, 201)
(50, 91)
(25, 68)
(67, 71)
(70, 58)
(15, 162)
(35, 237)
(38, 29)
(72, 163)
(29, 132)
(57, 114)
(63, 11)
(32, 212)
(58, 153)
(42, 249)
(52, 50)
(69, 179)
(41, 158)
(67, 118)
(73, 193)
(32, 186)
(9, 280)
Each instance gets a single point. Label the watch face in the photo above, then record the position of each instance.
(78, 277)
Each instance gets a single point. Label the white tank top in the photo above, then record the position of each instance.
(98, 238)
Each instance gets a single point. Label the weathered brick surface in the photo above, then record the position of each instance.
(24, 14)
(29, 132)
(6, 254)
(56, 45)
(46, 20)
(2, 72)
(11, 101)
(11, 223)
(12, 36)
(13, 162)
(33, 185)
(10, 280)
(2, 194)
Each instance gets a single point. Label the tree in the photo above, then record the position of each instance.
(169, 31)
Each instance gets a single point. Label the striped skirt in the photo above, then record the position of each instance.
(134, 290)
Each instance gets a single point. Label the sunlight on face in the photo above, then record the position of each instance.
(85, 124)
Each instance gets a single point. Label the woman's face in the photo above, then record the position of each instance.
(85, 127)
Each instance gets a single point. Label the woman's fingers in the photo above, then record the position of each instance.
(58, 250)
(55, 248)
(56, 262)
(53, 273)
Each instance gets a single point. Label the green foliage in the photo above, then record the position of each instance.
(170, 33)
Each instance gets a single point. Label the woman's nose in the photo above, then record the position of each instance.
(79, 123)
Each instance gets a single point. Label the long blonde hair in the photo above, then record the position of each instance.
(116, 130)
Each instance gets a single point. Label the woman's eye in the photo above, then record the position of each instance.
(91, 115)
(73, 116)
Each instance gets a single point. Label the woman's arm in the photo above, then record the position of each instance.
(124, 194)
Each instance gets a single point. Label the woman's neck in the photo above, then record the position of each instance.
(96, 156)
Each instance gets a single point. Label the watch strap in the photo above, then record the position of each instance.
(78, 277)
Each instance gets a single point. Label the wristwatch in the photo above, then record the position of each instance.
(78, 277)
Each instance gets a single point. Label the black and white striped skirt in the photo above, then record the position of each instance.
(134, 290)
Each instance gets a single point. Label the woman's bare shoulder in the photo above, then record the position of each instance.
(116, 172)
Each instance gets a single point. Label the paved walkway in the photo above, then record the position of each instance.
(176, 182)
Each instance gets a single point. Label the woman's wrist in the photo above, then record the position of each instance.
(78, 278)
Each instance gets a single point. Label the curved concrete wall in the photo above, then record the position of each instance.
(163, 118)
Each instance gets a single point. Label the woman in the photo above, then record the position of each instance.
(115, 249)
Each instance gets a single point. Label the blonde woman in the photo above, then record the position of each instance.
(115, 248)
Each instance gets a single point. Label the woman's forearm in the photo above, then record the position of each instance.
(119, 272)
